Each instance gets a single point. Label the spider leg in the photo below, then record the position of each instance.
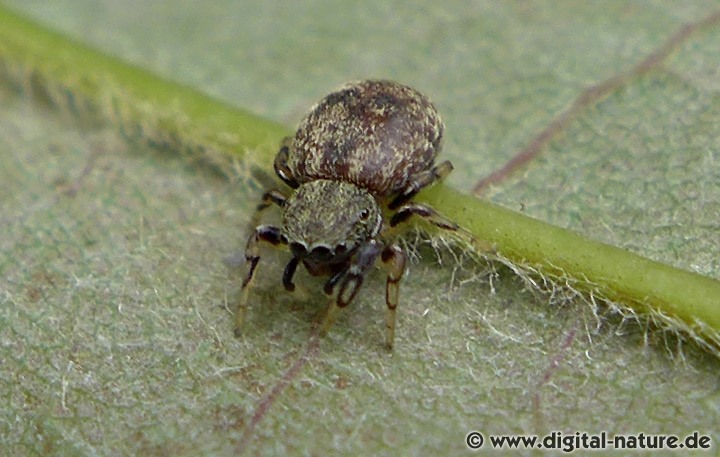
(269, 198)
(351, 280)
(269, 234)
(419, 209)
(334, 279)
(420, 181)
(393, 259)
(289, 273)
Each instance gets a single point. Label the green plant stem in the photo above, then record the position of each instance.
(609, 272)
(141, 104)
(176, 116)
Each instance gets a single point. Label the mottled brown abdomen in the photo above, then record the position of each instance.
(374, 134)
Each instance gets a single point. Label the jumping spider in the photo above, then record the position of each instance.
(368, 146)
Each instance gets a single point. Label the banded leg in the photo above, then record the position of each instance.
(268, 234)
(270, 197)
(351, 281)
(424, 211)
(393, 259)
(334, 279)
(421, 181)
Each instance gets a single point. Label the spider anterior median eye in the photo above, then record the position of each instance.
(322, 253)
(298, 250)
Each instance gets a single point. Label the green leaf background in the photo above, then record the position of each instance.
(115, 320)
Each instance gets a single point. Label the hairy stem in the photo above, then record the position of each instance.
(608, 272)
(178, 117)
(142, 105)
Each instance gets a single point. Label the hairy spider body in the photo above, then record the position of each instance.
(377, 135)
(368, 145)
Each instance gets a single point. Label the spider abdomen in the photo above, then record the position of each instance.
(377, 135)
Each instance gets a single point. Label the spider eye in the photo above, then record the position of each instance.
(322, 253)
(299, 250)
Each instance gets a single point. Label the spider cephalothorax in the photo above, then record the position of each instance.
(369, 144)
